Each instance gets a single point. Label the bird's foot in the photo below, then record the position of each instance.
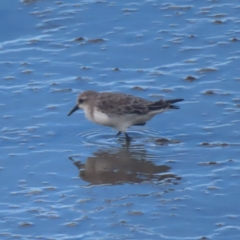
(119, 133)
(128, 139)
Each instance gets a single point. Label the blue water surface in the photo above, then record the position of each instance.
(66, 178)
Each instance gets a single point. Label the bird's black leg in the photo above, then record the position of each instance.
(119, 133)
(128, 139)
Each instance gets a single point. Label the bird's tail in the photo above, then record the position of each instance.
(171, 106)
(162, 104)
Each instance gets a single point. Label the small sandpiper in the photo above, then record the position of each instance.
(120, 111)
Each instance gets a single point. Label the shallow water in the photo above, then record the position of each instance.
(66, 178)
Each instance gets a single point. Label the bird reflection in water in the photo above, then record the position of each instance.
(122, 166)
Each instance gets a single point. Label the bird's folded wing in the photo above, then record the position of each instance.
(135, 109)
(161, 104)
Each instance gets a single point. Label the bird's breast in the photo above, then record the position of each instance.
(102, 118)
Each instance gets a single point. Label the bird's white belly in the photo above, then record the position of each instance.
(122, 122)
(102, 118)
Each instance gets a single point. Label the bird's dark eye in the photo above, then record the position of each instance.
(80, 100)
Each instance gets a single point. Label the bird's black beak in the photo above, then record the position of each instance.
(73, 110)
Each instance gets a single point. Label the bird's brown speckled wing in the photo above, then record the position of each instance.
(161, 104)
(120, 104)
